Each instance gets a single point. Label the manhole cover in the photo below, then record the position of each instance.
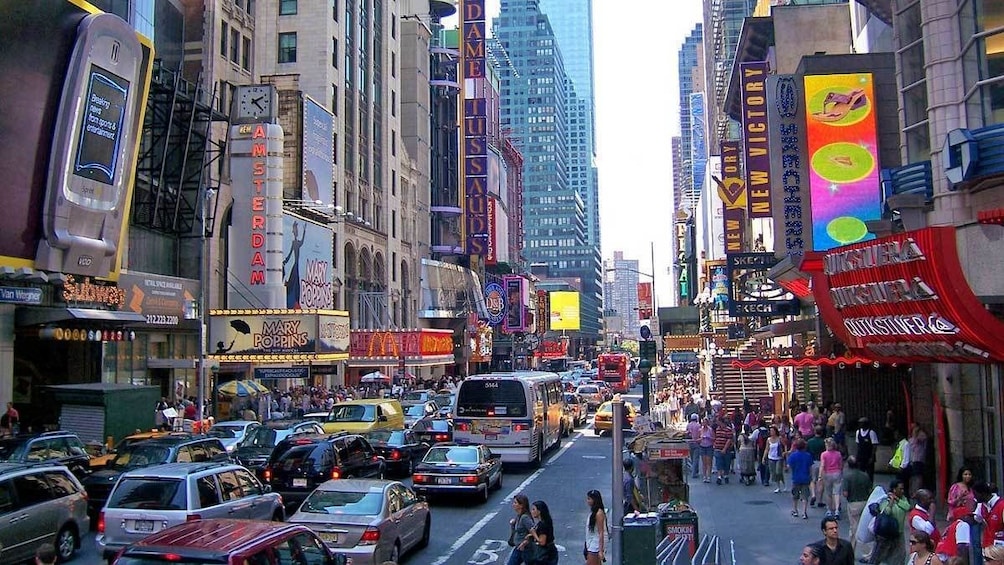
(759, 502)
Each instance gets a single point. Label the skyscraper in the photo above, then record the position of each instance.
(535, 111)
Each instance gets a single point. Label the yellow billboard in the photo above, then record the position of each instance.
(564, 310)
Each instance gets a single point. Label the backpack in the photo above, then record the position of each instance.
(866, 448)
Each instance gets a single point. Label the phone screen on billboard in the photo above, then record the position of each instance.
(101, 127)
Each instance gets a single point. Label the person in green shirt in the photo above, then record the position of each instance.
(892, 550)
(816, 445)
(857, 487)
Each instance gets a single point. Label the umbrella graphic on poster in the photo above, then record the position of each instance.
(240, 326)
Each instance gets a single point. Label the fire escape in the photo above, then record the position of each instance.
(176, 155)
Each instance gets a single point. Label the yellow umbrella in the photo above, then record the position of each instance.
(241, 388)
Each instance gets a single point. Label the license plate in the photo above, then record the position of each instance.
(444, 480)
(143, 525)
(491, 436)
(299, 482)
(329, 537)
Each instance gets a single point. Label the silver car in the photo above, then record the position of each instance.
(370, 521)
(152, 499)
(232, 433)
(40, 503)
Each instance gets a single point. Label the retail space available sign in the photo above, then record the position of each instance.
(905, 298)
(163, 300)
(751, 293)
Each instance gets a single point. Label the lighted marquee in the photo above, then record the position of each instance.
(273, 335)
(843, 158)
(475, 127)
(394, 344)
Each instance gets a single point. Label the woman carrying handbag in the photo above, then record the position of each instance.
(519, 527)
(541, 550)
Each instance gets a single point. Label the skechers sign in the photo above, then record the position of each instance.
(475, 128)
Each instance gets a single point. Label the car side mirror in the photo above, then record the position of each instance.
(383, 418)
(266, 488)
(495, 456)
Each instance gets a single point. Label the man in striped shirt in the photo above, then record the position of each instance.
(724, 441)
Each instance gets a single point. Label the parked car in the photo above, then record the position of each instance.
(575, 408)
(415, 412)
(359, 416)
(231, 433)
(231, 542)
(173, 448)
(370, 521)
(298, 465)
(147, 501)
(254, 450)
(433, 430)
(604, 414)
(106, 458)
(58, 447)
(40, 503)
(591, 395)
(605, 391)
(400, 449)
(452, 468)
(415, 396)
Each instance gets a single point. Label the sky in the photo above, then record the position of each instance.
(635, 47)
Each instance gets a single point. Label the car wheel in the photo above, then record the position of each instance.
(539, 457)
(488, 488)
(426, 533)
(66, 543)
(498, 484)
(411, 467)
(395, 552)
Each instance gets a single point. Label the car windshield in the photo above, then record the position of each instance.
(571, 399)
(353, 413)
(139, 455)
(443, 399)
(414, 396)
(225, 432)
(340, 502)
(588, 390)
(452, 455)
(385, 437)
(11, 449)
(432, 426)
(259, 437)
(143, 493)
(310, 456)
(416, 411)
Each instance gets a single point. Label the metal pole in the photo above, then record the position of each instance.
(617, 491)
(201, 376)
(655, 303)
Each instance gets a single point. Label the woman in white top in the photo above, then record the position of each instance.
(773, 457)
(594, 549)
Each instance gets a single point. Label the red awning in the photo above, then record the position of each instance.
(799, 362)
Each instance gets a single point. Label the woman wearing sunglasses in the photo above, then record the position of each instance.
(922, 550)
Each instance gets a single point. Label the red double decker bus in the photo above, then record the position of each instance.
(613, 369)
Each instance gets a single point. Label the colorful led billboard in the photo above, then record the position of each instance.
(564, 310)
(843, 158)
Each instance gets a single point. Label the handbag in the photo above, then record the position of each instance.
(512, 534)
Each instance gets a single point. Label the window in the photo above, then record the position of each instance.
(393, 225)
(224, 33)
(246, 54)
(31, 490)
(209, 494)
(334, 10)
(235, 46)
(334, 52)
(287, 47)
(334, 110)
(393, 64)
(287, 7)
(230, 486)
(393, 102)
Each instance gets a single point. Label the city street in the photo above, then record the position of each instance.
(752, 521)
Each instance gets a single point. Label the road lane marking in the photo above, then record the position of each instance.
(465, 538)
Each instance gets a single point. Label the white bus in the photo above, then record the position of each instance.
(517, 414)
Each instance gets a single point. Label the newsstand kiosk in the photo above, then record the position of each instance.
(662, 481)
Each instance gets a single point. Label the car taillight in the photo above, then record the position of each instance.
(101, 522)
(441, 437)
(419, 478)
(464, 426)
(395, 455)
(336, 473)
(267, 474)
(520, 427)
(370, 536)
(469, 480)
(193, 517)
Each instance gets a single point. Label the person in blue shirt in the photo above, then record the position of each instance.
(800, 463)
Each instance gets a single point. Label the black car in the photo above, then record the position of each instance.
(58, 447)
(299, 464)
(181, 448)
(452, 468)
(400, 449)
(433, 430)
(254, 450)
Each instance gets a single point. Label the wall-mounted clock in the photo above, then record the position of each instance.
(254, 103)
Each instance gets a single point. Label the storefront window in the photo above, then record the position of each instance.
(912, 62)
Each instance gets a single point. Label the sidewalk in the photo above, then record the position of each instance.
(758, 521)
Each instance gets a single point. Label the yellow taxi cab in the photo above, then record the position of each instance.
(366, 415)
(102, 460)
(604, 414)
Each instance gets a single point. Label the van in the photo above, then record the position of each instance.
(231, 542)
(365, 415)
(39, 503)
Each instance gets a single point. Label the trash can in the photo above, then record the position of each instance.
(676, 524)
(639, 538)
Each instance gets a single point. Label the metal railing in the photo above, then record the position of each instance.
(711, 551)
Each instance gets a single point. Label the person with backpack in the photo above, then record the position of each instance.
(866, 440)
(759, 439)
(889, 547)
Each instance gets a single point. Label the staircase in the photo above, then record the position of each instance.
(734, 385)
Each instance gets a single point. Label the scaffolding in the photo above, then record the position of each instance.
(177, 156)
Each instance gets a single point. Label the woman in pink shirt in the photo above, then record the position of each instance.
(831, 474)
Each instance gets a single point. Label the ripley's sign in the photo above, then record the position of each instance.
(905, 298)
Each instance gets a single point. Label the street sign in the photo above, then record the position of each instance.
(646, 350)
(646, 333)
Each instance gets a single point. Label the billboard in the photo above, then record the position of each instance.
(306, 264)
(278, 335)
(564, 310)
(497, 303)
(318, 153)
(755, 145)
(255, 246)
(37, 40)
(475, 120)
(163, 300)
(751, 292)
(516, 289)
(843, 158)
(645, 301)
(732, 190)
(785, 114)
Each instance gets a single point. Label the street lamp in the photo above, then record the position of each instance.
(644, 367)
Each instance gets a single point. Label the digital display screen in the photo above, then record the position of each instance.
(101, 125)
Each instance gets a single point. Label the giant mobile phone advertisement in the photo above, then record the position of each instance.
(843, 150)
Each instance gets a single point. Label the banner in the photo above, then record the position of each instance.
(394, 344)
(645, 301)
(757, 151)
(306, 264)
(318, 153)
(516, 298)
(160, 298)
(732, 190)
(287, 335)
(564, 310)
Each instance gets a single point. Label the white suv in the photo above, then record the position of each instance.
(155, 498)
